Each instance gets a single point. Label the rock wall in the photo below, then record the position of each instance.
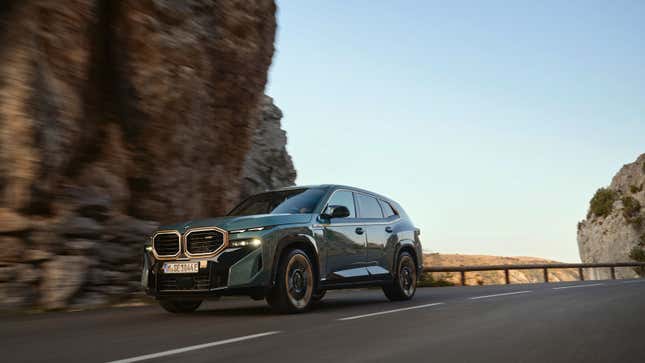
(610, 237)
(116, 116)
(268, 165)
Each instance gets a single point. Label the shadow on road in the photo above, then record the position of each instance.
(260, 308)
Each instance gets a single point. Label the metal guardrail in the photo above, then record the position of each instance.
(545, 267)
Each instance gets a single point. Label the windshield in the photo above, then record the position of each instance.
(293, 201)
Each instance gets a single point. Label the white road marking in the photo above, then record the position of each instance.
(390, 311)
(193, 347)
(632, 281)
(504, 294)
(575, 286)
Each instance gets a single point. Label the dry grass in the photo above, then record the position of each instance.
(494, 277)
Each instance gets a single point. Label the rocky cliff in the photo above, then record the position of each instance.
(268, 165)
(119, 115)
(614, 230)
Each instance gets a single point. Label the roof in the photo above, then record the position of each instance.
(336, 186)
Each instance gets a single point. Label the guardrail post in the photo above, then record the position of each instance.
(546, 275)
(613, 273)
(507, 277)
(463, 278)
(582, 275)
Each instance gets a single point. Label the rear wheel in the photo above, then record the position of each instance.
(180, 307)
(294, 285)
(405, 281)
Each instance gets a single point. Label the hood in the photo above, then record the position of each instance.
(241, 222)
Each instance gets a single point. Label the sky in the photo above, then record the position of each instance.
(491, 122)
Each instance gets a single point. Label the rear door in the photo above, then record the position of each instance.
(345, 240)
(376, 230)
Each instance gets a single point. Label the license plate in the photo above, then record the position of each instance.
(180, 267)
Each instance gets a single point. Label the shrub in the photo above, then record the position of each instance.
(632, 210)
(427, 280)
(638, 254)
(635, 188)
(602, 202)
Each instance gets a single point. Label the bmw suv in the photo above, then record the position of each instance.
(287, 246)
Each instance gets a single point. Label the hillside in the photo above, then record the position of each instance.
(613, 230)
(494, 277)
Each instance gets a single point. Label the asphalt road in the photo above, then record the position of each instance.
(593, 321)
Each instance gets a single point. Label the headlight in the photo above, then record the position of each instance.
(254, 229)
(246, 242)
(148, 248)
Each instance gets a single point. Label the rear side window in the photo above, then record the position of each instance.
(368, 207)
(344, 198)
(388, 211)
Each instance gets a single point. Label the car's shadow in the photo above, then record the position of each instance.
(260, 308)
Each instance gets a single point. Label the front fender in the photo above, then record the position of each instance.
(302, 240)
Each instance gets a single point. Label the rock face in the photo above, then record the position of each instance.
(610, 236)
(268, 165)
(116, 116)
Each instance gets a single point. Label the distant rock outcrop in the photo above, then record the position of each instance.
(268, 165)
(116, 116)
(615, 223)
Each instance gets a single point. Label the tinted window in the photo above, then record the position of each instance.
(294, 201)
(344, 198)
(387, 209)
(368, 207)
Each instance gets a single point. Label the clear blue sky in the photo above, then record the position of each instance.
(491, 122)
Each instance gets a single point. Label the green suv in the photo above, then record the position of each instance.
(288, 246)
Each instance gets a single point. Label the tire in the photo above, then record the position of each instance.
(405, 280)
(180, 307)
(293, 290)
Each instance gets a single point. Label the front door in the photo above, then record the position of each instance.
(345, 241)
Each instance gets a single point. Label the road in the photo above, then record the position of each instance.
(592, 321)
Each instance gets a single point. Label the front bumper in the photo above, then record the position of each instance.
(235, 271)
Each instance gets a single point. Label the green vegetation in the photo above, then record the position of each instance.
(632, 211)
(427, 280)
(602, 202)
(638, 254)
(635, 188)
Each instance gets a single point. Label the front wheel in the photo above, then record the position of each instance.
(405, 281)
(294, 284)
(180, 307)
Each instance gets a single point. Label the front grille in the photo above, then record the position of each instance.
(184, 282)
(166, 244)
(207, 241)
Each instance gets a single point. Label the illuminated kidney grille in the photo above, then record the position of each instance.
(204, 241)
(166, 244)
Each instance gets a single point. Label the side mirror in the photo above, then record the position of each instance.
(336, 211)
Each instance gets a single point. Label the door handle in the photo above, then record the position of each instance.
(359, 230)
(388, 229)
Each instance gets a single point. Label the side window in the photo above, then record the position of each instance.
(344, 198)
(368, 207)
(387, 209)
